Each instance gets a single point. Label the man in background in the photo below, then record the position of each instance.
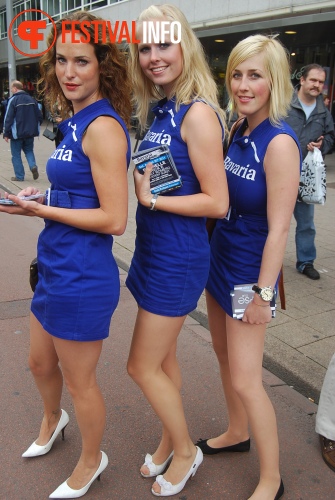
(313, 124)
(21, 125)
(325, 417)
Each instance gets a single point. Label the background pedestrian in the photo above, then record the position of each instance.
(21, 124)
(313, 124)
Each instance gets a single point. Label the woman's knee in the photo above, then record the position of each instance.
(247, 387)
(131, 369)
(134, 370)
(80, 386)
(42, 367)
(138, 372)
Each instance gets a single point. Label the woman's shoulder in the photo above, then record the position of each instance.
(282, 141)
(201, 111)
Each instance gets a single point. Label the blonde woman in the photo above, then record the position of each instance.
(171, 261)
(247, 247)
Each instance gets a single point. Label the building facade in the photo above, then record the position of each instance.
(305, 27)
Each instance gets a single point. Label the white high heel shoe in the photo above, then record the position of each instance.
(168, 489)
(64, 490)
(154, 469)
(35, 450)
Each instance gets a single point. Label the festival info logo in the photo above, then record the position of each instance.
(31, 35)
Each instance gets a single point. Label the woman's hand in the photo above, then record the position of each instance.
(142, 185)
(28, 191)
(23, 207)
(257, 314)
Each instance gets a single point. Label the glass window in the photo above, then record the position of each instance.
(69, 5)
(3, 24)
(95, 4)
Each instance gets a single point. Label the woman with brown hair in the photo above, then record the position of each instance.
(78, 280)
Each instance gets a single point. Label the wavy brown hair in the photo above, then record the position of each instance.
(114, 82)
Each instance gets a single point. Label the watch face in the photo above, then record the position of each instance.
(266, 294)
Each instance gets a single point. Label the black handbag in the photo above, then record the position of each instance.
(33, 274)
(49, 134)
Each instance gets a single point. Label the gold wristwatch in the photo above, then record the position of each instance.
(266, 293)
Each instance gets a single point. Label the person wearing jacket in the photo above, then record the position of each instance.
(3, 106)
(22, 120)
(313, 124)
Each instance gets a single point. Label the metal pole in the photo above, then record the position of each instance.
(10, 48)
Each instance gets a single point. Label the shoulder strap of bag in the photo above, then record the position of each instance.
(233, 131)
(282, 289)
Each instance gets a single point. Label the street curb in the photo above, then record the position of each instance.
(2, 186)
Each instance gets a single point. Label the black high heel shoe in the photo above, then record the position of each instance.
(280, 491)
(208, 450)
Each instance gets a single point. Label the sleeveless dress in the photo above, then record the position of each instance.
(238, 240)
(78, 280)
(170, 265)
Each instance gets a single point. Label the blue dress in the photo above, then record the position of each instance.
(170, 265)
(238, 240)
(78, 280)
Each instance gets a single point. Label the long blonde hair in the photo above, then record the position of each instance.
(195, 80)
(277, 69)
(114, 83)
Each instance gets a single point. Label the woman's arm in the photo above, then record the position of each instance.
(202, 133)
(282, 170)
(105, 145)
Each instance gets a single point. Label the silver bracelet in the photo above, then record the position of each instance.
(153, 202)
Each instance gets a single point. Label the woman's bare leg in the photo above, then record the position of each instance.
(238, 421)
(245, 350)
(154, 337)
(79, 361)
(170, 366)
(43, 363)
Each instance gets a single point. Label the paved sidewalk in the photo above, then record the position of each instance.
(301, 340)
(132, 429)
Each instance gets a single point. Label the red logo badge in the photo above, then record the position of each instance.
(32, 32)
